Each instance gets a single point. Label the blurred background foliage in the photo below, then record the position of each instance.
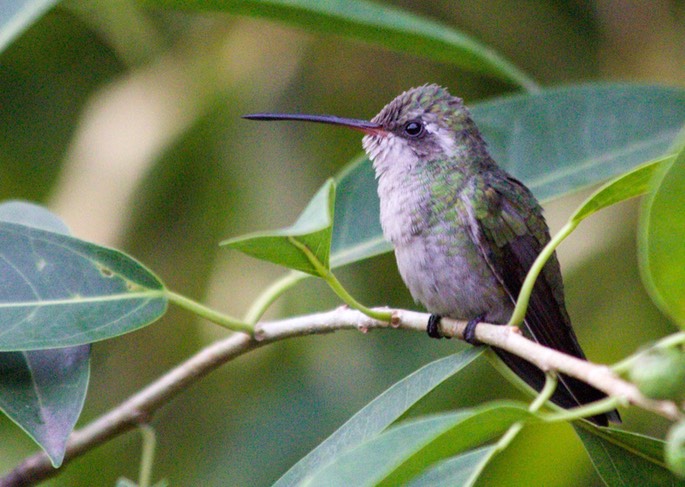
(129, 129)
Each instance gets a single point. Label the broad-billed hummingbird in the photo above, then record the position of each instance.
(465, 231)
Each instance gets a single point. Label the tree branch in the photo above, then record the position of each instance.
(140, 407)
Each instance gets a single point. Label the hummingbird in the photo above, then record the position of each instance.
(465, 232)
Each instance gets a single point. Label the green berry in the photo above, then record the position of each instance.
(675, 449)
(660, 374)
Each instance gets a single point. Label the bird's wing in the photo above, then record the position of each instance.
(510, 231)
(508, 227)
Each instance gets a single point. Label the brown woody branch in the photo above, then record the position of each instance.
(140, 407)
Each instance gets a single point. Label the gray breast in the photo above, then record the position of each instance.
(445, 280)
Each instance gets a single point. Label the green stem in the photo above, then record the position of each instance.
(514, 429)
(271, 294)
(540, 400)
(673, 340)
(209, 314)
(670, 341)
(147, 457)
(325, 273)
(508, 437)
(551, 380)
(338, 289)
(524, 296)
(591, 409)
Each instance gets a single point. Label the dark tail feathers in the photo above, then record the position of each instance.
(570, 392)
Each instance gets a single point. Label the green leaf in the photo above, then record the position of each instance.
(557, 141)
(565, 139)
(378, 24)
(18, 15)
(405, 450)
(454, 471)
(304, 246)
(629, 185)
(652, 449)
(626, 459)
(662, 240)
(478, 426)
(379, 413)
(357, 232)
(61, 291)
(31, 215)
(43, 391)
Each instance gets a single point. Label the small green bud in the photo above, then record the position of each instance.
(674, 453)
(660, 374)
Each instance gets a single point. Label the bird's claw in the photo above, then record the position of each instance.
(433, 328)
(470, 330)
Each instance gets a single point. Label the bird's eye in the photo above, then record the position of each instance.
(413, 128)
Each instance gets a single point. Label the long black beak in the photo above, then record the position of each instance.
(361, 125)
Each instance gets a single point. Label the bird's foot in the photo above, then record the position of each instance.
(470, 330)
(433, 328)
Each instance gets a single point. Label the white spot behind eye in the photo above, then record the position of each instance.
(442, 136)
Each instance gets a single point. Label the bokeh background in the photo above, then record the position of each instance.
(130, 131)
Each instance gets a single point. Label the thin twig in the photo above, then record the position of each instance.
(140, 407)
